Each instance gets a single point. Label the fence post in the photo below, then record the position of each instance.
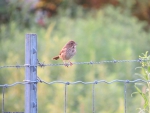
(31, 73)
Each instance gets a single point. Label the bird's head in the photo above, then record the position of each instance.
(71, 43)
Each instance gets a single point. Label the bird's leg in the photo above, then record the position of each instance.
(70, 63)
(65, 63)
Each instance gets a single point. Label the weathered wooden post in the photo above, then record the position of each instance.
(31, 73)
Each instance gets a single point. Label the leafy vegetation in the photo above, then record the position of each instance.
(144, 88)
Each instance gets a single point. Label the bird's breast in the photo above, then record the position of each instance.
(70, 52)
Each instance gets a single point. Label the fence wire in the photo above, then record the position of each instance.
(42, 64)
(93, 98)
(66, 83)
(125, 97)
(93, 83)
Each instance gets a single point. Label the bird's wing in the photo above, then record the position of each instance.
(63, 51)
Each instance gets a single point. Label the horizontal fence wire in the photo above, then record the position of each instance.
(72, 83)
(40, 64)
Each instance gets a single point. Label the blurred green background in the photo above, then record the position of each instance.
(103, 30)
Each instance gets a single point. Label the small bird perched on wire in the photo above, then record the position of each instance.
(67, 52)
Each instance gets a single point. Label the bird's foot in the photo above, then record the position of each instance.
(71, 63)
(66, 64)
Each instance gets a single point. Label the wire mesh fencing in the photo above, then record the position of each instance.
(93, 83)
(67, 83)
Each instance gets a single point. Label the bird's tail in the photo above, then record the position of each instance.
(56, 58)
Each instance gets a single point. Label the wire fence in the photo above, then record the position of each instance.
(42, 64)
(96, 82)
(93, 83)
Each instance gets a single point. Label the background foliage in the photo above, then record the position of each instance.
(103, 34)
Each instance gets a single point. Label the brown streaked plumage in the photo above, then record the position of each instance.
(67, 52)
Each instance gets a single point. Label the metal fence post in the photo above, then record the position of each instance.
(31, 73)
